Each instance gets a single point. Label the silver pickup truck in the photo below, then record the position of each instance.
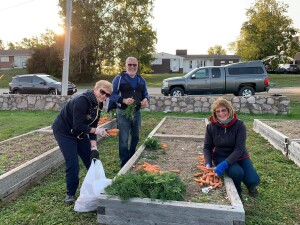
(240, 79)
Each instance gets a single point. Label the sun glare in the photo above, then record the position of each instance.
(59, 30)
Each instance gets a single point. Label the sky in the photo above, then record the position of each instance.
(194, 25)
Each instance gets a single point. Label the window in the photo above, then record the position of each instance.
(4, 59)
(216, 73)
(37, 80)
(191, 64)
(245, 70)
(201, 73)
(26, 79)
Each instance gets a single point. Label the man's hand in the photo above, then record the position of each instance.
(220, 169)
(101, 131)
(144, 103)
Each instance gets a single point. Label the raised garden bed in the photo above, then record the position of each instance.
(184, 136)
(283, 135)
(28, 158)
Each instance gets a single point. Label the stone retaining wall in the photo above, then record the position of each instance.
(189, 104)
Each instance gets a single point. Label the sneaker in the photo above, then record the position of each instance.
(70, 199)
(253, 191)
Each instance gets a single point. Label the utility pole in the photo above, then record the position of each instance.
(65, 77)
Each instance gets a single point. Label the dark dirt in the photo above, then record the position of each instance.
(182, 154)
(18, 151)
(290, 128)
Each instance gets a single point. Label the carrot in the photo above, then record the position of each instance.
(113, 132)
(198, 174)
(175, 171)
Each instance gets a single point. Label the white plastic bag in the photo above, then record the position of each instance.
(93, 184)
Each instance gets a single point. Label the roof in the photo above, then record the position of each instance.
(16, 52)
(164, 55)
(213, 57)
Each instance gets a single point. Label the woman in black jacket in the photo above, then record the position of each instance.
(75, 130)
(225, 145)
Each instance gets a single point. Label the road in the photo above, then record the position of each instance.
(156, 91)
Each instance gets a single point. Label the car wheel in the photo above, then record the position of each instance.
(16, 92)
(246, 91)
(52, 92)
(177, 92)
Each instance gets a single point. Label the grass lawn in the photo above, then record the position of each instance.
(278, 202)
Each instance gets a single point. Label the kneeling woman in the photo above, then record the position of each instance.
(225, 145)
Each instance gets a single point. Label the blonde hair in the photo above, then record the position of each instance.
(104, 83)
(221, 102)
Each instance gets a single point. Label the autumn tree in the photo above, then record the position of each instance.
(268, 31)
(216, 50)
(103, 32)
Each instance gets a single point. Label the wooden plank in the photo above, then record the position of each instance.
(294, 152)
(232, 193)
(277, 139)
(185, 137)
(160, 211)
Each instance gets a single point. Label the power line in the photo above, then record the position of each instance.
(14, 6)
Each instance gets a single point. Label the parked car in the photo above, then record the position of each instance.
(38, 84)
(287, 68)
(241, 79)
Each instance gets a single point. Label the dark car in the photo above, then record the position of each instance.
(38, 84)
(287, 68)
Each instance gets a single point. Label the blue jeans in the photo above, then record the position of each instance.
(72, 148)
(127, 128)
(241, 171)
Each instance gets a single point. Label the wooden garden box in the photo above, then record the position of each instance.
(137, 211)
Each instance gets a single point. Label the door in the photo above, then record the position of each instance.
(199, 82)
(25, 84)
(217, 83)
(40, 86)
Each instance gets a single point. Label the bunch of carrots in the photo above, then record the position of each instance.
(153, 168)
(207, 176)
(113, 132)
(103, 120)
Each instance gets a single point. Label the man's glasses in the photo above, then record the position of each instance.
(135, 65)
(222, 110)
(102, 92)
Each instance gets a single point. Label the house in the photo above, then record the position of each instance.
(14, 58)
(167, 63)
(184, 63)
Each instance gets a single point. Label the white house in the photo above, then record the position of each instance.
(14, 58)
(184, 63)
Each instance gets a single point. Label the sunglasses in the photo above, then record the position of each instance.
(102, 92)
(222, 110)
(135, 65)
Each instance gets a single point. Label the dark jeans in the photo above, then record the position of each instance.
(129, 135)
(241, 171)
(72, 148)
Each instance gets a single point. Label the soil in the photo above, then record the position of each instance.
(18, 151)
(182, 154)
(290, 128)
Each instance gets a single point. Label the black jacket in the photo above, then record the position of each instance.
(225, 141)
(78, 116)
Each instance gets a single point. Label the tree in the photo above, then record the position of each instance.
(216, 50)
(46, 59)
(103, 32)
(267, 32)
(1, 45)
